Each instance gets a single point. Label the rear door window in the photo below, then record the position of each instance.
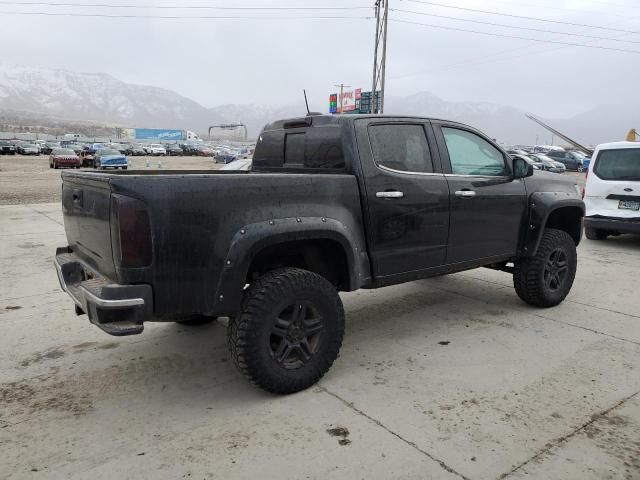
(401, 147)
(621, 164)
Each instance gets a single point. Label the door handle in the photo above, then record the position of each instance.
(391, 194)
(465, 193)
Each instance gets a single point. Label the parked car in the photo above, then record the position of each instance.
(48, 147)
(571, 160)
(64, 157)
(87, 157)
(225, 156)
(155, 149)
(109, 158)
(337, 203)
(549, 164)
(28, 149)
(204, 151)
(536, 165)
(190, 149)
(612, 191)
(120, 147)
(174, 149)
(7, 148)
(134, 150)
(76, 147)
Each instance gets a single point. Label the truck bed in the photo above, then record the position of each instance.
(195, 217)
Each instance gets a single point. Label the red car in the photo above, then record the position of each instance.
(64, 157)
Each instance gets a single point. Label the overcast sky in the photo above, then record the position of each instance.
(270, 61)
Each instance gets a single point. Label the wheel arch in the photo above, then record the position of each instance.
(321, 245)
(558, 210)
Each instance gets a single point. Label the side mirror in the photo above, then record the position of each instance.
(521, 168)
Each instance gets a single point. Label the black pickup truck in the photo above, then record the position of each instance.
(331, 204)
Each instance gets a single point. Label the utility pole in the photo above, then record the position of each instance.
(342, 87)
(380, 57)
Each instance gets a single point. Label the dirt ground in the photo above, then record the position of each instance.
(28, 179)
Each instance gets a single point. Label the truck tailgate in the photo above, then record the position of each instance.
(86, 200)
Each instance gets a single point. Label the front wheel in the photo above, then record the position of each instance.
(289, 332)
(545, 279)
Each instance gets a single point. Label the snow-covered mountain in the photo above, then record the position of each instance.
(101, 97)
(94, 96)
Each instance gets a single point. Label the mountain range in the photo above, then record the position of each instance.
(99, 97)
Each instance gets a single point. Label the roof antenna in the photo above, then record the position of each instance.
(309, 112)
(306, 102)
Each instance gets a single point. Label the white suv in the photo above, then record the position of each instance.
(155, 149)
(612, 192)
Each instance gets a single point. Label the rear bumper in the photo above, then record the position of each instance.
(117, 309)
(630, 225)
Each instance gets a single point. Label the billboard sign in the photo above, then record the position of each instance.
(348, 101)
(157, 134)
(356, 101)
(333, 103)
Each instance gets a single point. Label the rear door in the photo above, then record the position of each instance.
(613, 185)
(407, 197)
(487, 205)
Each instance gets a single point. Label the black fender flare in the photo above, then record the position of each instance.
(249, 240)
(541, 206)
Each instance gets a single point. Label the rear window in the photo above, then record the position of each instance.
(621, 164)
(294, 149)
(316, 147)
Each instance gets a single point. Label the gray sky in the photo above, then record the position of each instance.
(269, 61)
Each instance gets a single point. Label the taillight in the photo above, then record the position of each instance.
(130, 232)
(584, 189)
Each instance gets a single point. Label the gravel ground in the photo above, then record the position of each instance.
(28, 179)
(25, 179)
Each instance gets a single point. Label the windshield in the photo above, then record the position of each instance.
(618, 164)
(108, 151)
(64, 151)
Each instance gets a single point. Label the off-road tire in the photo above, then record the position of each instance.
(530, 274)
(595, 233)
(196, 320)
(250, 335)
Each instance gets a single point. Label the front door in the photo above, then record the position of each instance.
(406, 195)
(487, 204)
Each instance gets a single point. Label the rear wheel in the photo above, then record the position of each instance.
(595, 233)
(545, 279)
(289, 332)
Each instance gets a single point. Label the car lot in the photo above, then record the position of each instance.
(452, 377)
(28, 179)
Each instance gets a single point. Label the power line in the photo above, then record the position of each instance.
(181, 17)
(516, 37)
(492, 58)
(503, 25)
(523, 17)
(174, 7)
(566, 9)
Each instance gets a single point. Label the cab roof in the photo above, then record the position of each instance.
(618, 145)
(326, 119)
